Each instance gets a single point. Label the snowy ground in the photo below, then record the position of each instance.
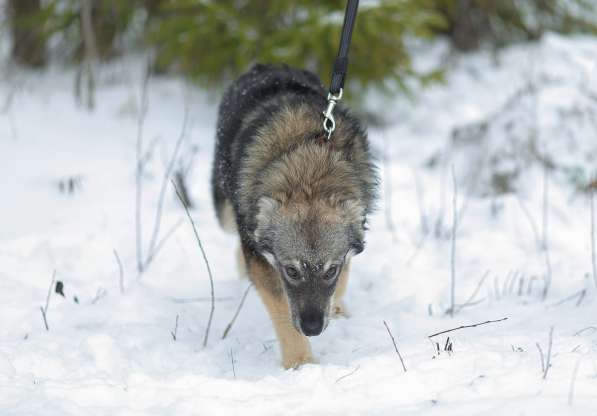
(113, 354)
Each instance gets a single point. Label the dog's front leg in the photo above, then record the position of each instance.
(295, 347)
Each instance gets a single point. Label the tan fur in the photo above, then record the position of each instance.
(227, 218)
(295, 347)
(282, 164)
(241, 263)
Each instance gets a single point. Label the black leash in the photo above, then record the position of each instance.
(340, 67)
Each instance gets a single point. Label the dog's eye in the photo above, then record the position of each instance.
(291, 272)
(331, 273)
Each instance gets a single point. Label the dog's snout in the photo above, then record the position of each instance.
(312, 323)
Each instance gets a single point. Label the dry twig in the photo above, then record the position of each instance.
(211, 279)
(173, 333)
(593, 248)
(232, 362)
(140, 168)
(548, 273)
(465, 326)
(548, 358)
(120, 270)
(44, 309)
(240, 305)
(349, 374)
(158, 214)
(395, 346)
(573, 381)
(453, 247)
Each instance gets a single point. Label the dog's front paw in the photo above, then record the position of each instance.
(296, 362)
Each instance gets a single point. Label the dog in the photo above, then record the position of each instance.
(298, 201)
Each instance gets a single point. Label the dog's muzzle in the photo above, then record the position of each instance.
(312, 323)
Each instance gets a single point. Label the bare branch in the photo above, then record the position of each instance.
(471, 300)
(530, 220)
(44, 309)
(422, 215)
(173, 333)
(573, 381)
(240, 305)
(121, 271)
(580, 295)
(589, 328)
(548, 273)
(453, 247)
(395, 346)
(388, 189)
(211, 279)
(90, 49)
(161, 244)
(232, 362)
(542, 356)
(165, 179)
(548, 359)
(140, 167)
(349, 374)
(43, 315)
(466, 326)
(593, 248)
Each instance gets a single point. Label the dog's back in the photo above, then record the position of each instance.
(248, 104)
(268, 98)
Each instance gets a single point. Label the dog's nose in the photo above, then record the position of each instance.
(312, 324)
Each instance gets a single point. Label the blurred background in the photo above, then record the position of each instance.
(211, 42)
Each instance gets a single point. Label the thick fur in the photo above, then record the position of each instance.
(294, 199)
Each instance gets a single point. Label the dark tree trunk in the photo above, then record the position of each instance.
(28, 41)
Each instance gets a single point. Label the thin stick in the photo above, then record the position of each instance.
(421, 204)
(530, 220)
(593, 249)
(161, 243)
(240, 305)
(232, 361)
(173, 333)
(121, 271)
(349, 374)
(44, 309)
(466, 326)
(589, 328)
(470, 301)
(548, 359)
(395, 346)
(90, 49)
(573, 381)
(162, 195)
(453, 248)
(580, 295)
(211, 279)
(548, 273)
(139, 170)
(388, 190)
(542, 356)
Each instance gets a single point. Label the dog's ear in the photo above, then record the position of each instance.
(266, 210)
(354, 211)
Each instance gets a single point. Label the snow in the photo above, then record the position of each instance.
(112, 353)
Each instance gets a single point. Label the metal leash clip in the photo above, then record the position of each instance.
(329, 124)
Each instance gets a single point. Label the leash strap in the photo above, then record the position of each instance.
(340, 67)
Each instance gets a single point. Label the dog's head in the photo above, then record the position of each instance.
(309, 244)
